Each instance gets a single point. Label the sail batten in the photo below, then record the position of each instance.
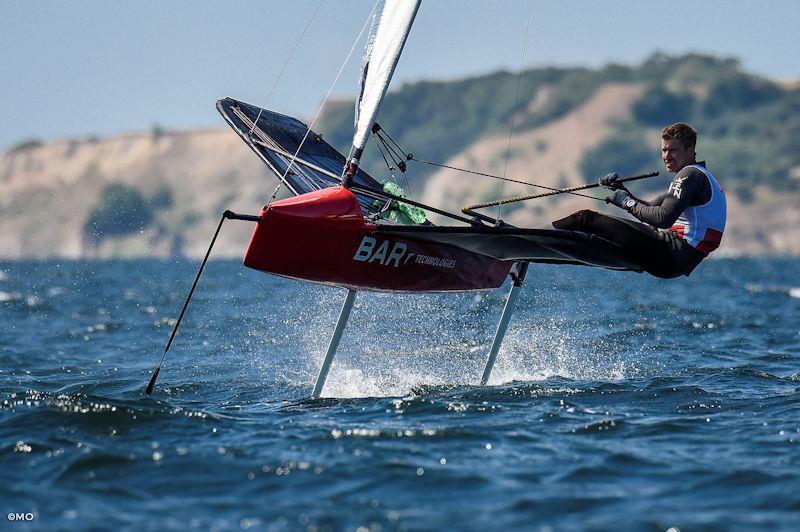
(387, 37)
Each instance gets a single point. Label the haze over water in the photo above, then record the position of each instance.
(619, 402)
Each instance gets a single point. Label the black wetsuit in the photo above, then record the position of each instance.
(661, 253)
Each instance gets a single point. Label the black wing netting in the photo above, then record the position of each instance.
(276, 137)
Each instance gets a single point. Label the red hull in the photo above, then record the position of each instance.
(322, 237)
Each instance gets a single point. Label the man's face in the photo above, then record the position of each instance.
(675, 155)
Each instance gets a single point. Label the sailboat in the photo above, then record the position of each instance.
(332, 230)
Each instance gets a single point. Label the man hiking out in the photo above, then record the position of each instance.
(682, 225)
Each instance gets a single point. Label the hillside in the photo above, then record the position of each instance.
(161, 193)
(154, 194)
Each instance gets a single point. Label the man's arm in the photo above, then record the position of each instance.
(687, 185)
(655, 201)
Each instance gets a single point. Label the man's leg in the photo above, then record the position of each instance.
(642, 244)
(618, 230)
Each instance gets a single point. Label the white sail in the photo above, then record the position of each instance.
(389, 32)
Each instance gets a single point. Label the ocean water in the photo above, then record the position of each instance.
(619, 401)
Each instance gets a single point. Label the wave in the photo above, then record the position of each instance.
(87, 411)
(755, 288)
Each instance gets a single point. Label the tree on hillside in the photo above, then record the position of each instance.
(658, 107)
(624, 152)
(738, 92)
(121, 211)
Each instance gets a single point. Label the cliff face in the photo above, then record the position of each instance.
(48, 193)
(161, 194)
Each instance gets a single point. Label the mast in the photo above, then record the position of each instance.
(388, 35)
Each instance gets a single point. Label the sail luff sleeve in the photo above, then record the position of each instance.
(393, 28)
(373, 30)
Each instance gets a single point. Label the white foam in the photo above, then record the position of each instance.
(393, 345)
(530, 355)
(34, 301)
(55, 291)
(5, 296)
(550, 350)
(774, 289)
(349, 383)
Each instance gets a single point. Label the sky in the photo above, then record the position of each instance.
(100, 67)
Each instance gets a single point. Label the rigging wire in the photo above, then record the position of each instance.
(408, 185)
(388, 164)
(288, 59)
(324, 101)
(394, 146)
(396, 153)
(388, 203)
(509, 179)
(516, 102)
(400, 156)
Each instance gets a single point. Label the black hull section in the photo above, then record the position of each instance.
(552, 246)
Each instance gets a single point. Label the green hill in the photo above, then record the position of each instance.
(748, 125)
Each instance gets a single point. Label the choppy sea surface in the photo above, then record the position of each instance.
(619, 401)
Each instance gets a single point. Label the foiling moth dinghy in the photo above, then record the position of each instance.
(341, 227)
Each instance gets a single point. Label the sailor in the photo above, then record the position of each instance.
(681, 226)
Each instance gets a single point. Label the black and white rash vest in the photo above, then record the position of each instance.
(702, 225)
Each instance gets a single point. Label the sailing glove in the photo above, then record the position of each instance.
(621, 199)
(612, 181)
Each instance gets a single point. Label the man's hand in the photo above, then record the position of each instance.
(621, 199)
(612, 181)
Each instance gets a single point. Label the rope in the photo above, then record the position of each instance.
(516, 102)
(525, 197)
(324, 101)
(288, 59)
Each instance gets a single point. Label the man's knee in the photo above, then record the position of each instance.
(578, 220)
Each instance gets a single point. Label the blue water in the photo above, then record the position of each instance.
(619, 401)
